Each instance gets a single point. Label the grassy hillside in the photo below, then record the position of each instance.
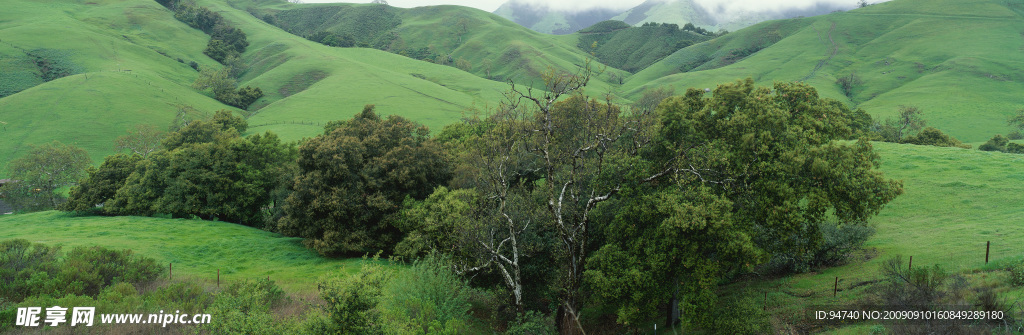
(196, 248)
(960, 61)
(124, 55)
(634, 48)
(461, 37)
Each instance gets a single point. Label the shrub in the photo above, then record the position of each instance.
(934, 137)
(996, 143)
(426, 298)
(532, 323)
(244, 308)
(834, 247)
(739, 314)
(351, 301)
(1014, 148)
(1016, 135)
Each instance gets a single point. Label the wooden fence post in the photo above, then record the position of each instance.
(218, 277)
(910, 264)
(835, 290)
(170, 271)
(987, 246)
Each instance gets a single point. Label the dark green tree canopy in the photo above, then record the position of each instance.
(355, 176)
(752, 172)
(102, 183)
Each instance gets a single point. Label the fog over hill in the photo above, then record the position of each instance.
(570, 16)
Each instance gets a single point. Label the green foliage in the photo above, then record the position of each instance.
(1016, 274)
(835, 244)
(532, 323)
(219, 50)
(751, 172)
(433, 224)
(912, 286)
(848, 83)
(353, 178)
(244, 308)
(740, 313)
(141, 140)
(634, 48)
(996, 143)
(427, 298)
(209, 172)
(40, 173)
(935, 137)
(351, 301)
(899, 129)
(223, 86)
(28, 269)
(101, 184)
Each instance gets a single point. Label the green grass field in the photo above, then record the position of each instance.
(954, 201)
(196, 248)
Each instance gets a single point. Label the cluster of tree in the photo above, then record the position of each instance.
(327, 38)
(225, 40)
(226, 46)
(223, 86)
(645, 208)
(204, 169)
(559, 200)
(909, 127)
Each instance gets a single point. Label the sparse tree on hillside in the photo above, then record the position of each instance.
(44, 170)
(141, 140)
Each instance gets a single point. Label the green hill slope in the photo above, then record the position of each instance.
(960, 61)
(124, 55)
(478, 42)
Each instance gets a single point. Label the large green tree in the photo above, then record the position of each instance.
(753, 173)
(206, 169)
(355, 176)
(44, 170)
(102, 183)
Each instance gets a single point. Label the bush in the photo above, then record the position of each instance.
(1014, 148)
(532, 323)
(426, 298)
(1016, 135)
(28, 269)
(834, 247)
(935, 137)
(739, 314)
(351, 301)
(244, 308)
(996, 143)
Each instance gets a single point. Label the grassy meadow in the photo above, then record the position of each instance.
(196, 248)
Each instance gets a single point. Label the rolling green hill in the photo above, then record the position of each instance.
(960, 61)
(125, 53)
(634, 48)
(461, 37)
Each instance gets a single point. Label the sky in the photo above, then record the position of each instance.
(727, 5)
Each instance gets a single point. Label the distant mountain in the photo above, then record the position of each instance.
(680, 12)
(550, 21)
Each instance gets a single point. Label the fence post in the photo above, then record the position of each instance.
(910, 264)
(988, 244)
(835, 290)
(218, 277)
(170, 271)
